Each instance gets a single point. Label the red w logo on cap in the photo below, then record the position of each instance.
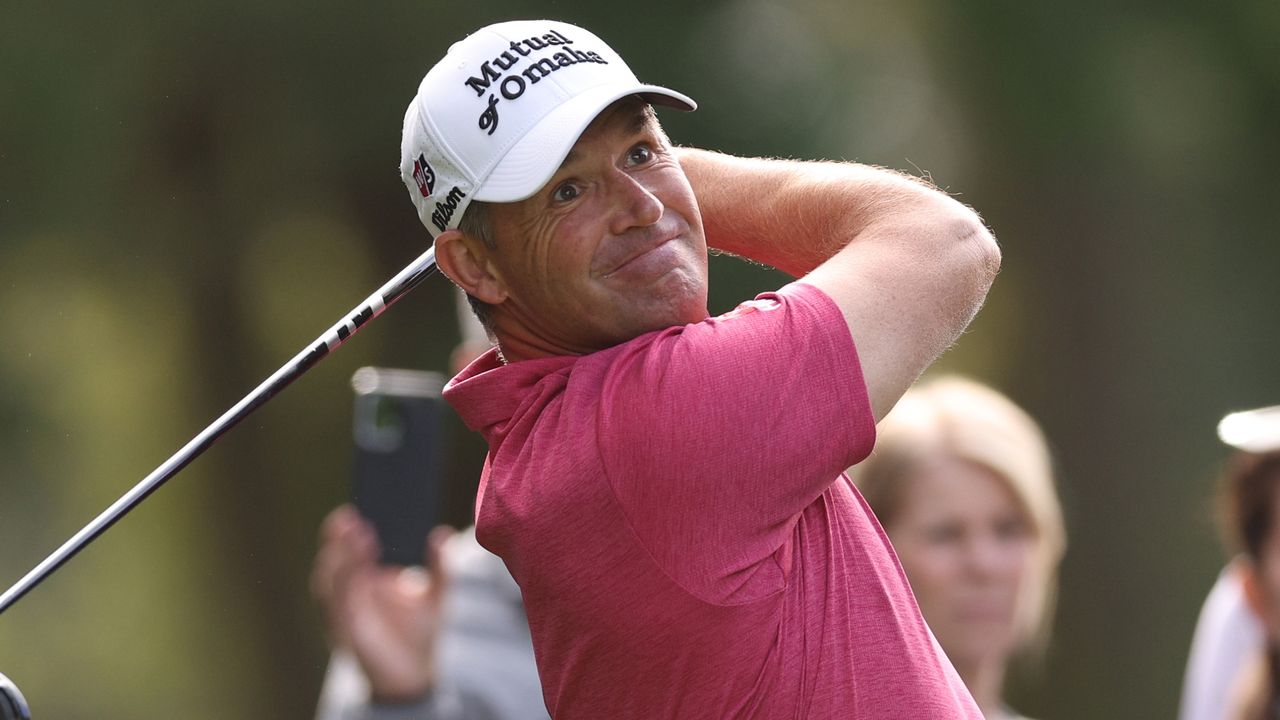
(424, 176)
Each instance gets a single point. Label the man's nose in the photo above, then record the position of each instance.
(636, 205)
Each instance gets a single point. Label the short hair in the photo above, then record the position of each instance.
(955, 416)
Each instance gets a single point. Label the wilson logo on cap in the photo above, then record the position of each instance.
(424, 175)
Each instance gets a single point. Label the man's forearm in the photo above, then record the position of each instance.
(907, 265)
(795, 215)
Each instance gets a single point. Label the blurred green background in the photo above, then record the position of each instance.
(191, 192)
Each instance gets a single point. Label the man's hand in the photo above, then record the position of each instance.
(388, 617)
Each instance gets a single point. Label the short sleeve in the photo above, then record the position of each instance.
(715, 436)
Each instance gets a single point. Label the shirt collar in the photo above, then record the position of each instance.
(488, 392)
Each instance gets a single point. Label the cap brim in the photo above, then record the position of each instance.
(1256, 431)
(531, 162)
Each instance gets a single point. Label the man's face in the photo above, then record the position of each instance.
(610, 248)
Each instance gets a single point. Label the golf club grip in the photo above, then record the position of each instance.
(373, 306)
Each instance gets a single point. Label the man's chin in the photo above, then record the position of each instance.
(676, 317)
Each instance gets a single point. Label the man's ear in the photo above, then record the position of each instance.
(467, 262)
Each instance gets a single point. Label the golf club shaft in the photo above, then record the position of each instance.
(388, 294)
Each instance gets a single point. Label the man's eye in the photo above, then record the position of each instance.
(565, 192)
(639, 155)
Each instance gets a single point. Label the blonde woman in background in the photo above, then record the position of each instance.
(961, 480)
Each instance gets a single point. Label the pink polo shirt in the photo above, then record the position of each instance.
(676, 514)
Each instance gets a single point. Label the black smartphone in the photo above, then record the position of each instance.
(399, 457)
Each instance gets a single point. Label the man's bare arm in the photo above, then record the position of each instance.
(908, 265)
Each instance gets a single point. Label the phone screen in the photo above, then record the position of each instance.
(399, 457)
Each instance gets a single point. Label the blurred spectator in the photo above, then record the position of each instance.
(1227, 634)
(961, 480)
(1233, 671)
(447, 641)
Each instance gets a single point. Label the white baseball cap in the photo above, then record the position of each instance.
(497, 115)
(1255, 431)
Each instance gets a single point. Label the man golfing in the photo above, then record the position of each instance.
(666, 487)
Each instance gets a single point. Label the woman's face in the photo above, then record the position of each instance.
(967, 547)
